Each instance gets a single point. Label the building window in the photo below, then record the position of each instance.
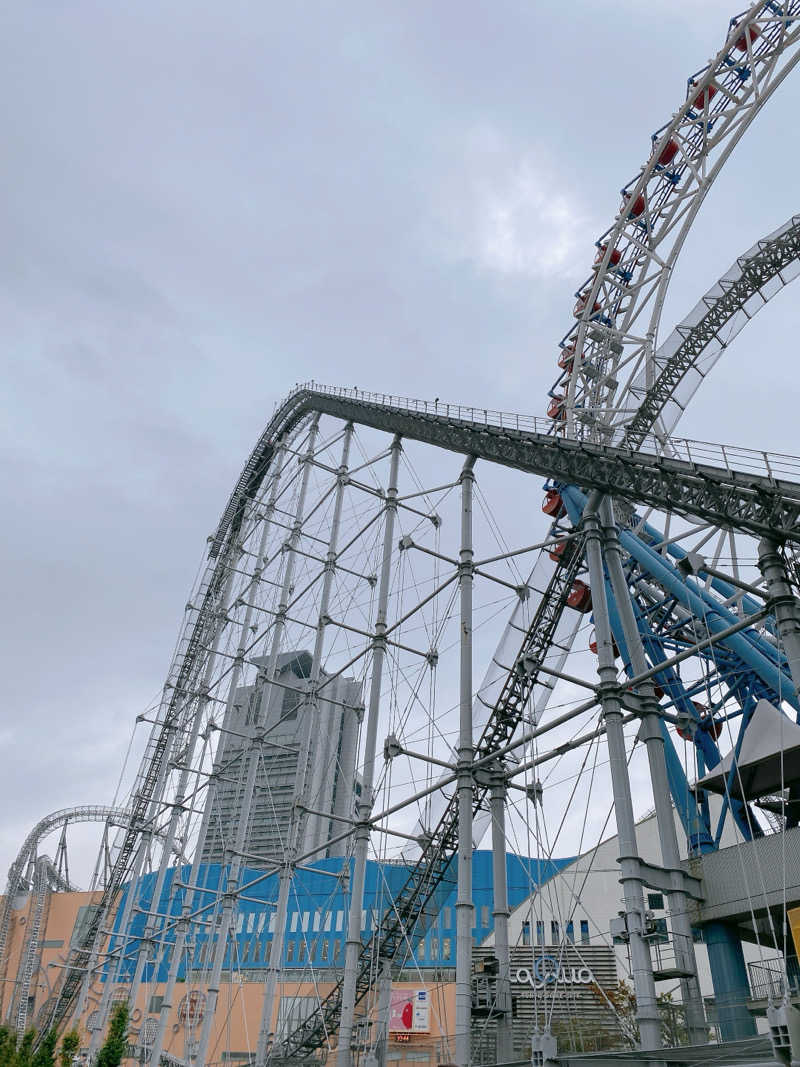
(571, 931)
(328, 917)
(257, 952)
(337, 948)
(585, 931)
(291, 702)
(339, 916)
(446, 918)
(155, 1004)
(421, 950)
(655, 901)
(445, 948)
(245, 952)
(539, 931)
(289, 951)
(324, 949)
(526, 932)
(304, 922)
(316, 922)
(485, 923)
(555, 933)
(301, 951)
(434, 948)
(293, 924)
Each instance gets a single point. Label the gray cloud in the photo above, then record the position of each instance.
(203, 203)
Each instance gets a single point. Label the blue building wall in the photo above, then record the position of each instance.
(318, 907)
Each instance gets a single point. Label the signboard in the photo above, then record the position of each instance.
(410, 1011)
(547, 970)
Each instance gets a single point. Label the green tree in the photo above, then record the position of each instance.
(45, 1055)
(8, 1050)
(69, 1048)
(24, 1056)
(112, 1052)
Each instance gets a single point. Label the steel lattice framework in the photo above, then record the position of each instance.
(612, 412)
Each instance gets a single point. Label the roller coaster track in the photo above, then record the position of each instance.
(697, 343)
(730, 487)
(27, 853)
(179, 690)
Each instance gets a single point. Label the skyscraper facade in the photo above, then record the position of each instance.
(297, 736)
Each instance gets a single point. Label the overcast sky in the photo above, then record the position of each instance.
(205, 203)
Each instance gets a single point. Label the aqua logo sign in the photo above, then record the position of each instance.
(547, 971)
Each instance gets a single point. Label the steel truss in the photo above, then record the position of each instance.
(609, 435)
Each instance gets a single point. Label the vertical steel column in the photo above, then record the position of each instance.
(194, 876)
(265, 1033)
(232, 886)
(364, 808)
(630, 873)
(377, 1058)
(500, 913)
(682, 939)
(465, 909)
(783, 603)
(115, 972)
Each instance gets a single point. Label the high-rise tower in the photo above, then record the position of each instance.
(295, 727)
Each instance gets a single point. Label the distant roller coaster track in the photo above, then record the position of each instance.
(17, 871)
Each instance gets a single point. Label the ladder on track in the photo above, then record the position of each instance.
(31, 955)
